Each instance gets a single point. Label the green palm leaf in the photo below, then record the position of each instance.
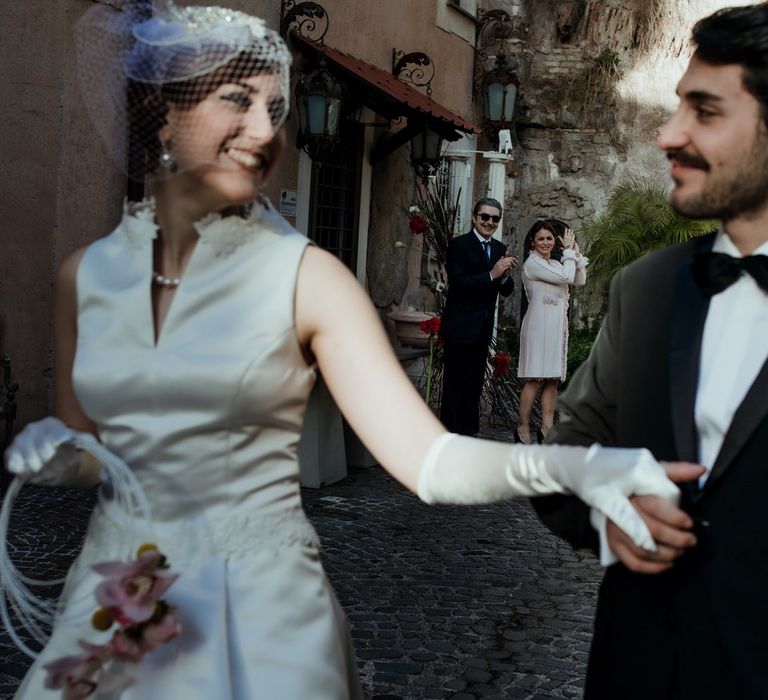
(637, 220)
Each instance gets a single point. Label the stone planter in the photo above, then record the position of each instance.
(407, 327)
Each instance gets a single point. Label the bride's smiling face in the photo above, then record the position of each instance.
(228, 143)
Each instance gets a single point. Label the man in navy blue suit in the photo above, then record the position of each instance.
(478, 268)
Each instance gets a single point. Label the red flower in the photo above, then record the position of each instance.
(418, 224)
(501, 363)
(431, 326)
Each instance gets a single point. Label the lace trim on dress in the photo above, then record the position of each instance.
(224, 234)
(199, 538)
(138, 222)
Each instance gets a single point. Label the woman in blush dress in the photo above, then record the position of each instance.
(187, 342)
(544, 331)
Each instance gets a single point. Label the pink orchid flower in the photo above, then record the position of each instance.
(128, 646)
(76, 675)
(132, 593)
(147, 563)
(133, 588)
(125, 647)
(156, 633)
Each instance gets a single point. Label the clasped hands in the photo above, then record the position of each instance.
(670, 526)
(503, 265)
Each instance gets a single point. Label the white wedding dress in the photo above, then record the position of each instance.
(208, 417)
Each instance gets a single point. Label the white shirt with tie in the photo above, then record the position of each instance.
(486, 243)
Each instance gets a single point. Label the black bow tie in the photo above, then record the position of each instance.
(715, 272)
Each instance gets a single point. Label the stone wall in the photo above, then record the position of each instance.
(597, 81)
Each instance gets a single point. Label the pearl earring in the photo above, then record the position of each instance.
(167, 161)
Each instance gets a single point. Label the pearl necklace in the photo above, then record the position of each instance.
(167, 282)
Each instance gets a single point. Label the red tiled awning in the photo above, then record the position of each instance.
(388, 96)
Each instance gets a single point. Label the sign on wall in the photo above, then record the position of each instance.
(287, 206)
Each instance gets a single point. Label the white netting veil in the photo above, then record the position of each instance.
(158, 81)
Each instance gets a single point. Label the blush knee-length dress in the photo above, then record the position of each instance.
(208, 416)
(544, 331)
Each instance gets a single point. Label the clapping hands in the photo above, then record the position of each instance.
(503, 265)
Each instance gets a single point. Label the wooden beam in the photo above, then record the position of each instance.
(389, 144)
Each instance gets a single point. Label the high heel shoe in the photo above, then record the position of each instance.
(519, 438)
(540, 437)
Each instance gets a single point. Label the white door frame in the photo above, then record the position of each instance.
(364, 216)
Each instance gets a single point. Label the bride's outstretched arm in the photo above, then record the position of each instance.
(338, 327)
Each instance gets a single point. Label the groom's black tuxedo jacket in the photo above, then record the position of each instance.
(703, 625)
(472, 294)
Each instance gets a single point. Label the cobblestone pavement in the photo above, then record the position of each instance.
(444, 602)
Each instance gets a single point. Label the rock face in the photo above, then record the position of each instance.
(597, 81)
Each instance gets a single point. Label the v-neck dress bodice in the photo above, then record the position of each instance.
(208, 416)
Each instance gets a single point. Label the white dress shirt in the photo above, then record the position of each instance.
(485, 240)
(734, 348)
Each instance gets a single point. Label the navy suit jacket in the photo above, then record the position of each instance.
(471, 291)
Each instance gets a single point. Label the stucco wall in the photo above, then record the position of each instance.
(60, 189)
(47, 155)
(370, 31)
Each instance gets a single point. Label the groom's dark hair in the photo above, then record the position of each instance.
(738, 35)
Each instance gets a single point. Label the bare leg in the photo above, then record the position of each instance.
(527, 397)
(548, 401)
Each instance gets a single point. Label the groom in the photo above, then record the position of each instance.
(680, 367)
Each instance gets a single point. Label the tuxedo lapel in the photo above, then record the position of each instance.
(689, 312)
(688, 315)
(750, 413)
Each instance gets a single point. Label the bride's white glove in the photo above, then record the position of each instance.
(44, 453)
(464, 470)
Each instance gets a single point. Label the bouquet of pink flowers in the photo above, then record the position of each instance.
(131, 598)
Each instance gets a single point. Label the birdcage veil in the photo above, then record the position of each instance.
(138, 62)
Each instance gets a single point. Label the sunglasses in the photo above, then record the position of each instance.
(489, 217)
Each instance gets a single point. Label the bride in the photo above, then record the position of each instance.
(187, 341)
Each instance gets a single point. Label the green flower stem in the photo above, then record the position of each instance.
(428, 390)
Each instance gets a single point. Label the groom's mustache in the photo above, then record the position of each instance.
(688, 159)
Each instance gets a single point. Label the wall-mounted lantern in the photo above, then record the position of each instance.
(497, 85)
(499, 96)
(426, 154)
(318, 103)
(417, 69)
(318, 94)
